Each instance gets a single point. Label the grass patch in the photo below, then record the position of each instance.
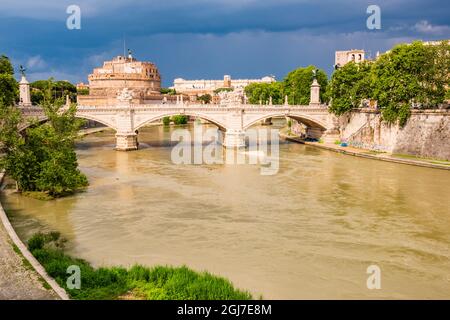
(445, 163)
(25, 262)
(156, 283)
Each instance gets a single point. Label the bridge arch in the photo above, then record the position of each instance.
(42, 119)
(96, 119)
(29, 122)
(305, 119)
(153, 118)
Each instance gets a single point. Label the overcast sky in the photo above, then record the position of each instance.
(204, 39)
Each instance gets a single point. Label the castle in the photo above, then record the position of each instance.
(141, 78)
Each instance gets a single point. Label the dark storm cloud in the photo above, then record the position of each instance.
(207, 38)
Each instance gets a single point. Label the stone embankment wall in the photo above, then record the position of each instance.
(16, 280)
(426, 134)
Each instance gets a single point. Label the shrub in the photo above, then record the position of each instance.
(166, 121)
(206, 98)
(36, 242)
(179, 119)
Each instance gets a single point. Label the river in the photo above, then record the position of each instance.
(310, 231)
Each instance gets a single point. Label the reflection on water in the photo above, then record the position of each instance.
(309, 231)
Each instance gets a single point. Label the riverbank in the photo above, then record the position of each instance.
(369, 154)
(21, 275)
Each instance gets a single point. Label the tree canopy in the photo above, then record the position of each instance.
(8, 85)
(6, 66)
(409, 75)
(206, 98)
(261, 92)
(296, 85)
(349, 85)
(43, 159)
(168, 91)
(59, 89)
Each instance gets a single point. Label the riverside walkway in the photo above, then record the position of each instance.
(17, 280)
(368, 154)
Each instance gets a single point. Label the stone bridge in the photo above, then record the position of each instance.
(232, 120)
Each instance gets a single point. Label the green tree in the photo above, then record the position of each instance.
(6, 66)
(410, 73)
(37, 96)
(349, 85)
(17, 159)
(206, 98)
(297, 85)
(168, 91)
(166, 121)
(59, 89)
(44, 158)
(8, 85)
(180, 119)
(261, 92)
(82, 92)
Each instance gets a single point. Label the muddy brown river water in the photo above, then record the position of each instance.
(310, 231)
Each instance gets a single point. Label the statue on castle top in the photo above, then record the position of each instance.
(314, 72)
(125, 95)
(22, 70)
(237, 96)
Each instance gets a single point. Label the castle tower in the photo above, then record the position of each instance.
(121, 72)
(227, 81)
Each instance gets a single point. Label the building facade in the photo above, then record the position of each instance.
(200, 87)
(344, 57)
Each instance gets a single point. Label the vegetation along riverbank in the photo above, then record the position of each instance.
(137, 282)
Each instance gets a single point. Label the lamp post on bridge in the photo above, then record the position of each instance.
(24, 90)
(315, 90)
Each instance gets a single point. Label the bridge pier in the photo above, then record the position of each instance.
(314, 132)
(126, 141)
(234, 139)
